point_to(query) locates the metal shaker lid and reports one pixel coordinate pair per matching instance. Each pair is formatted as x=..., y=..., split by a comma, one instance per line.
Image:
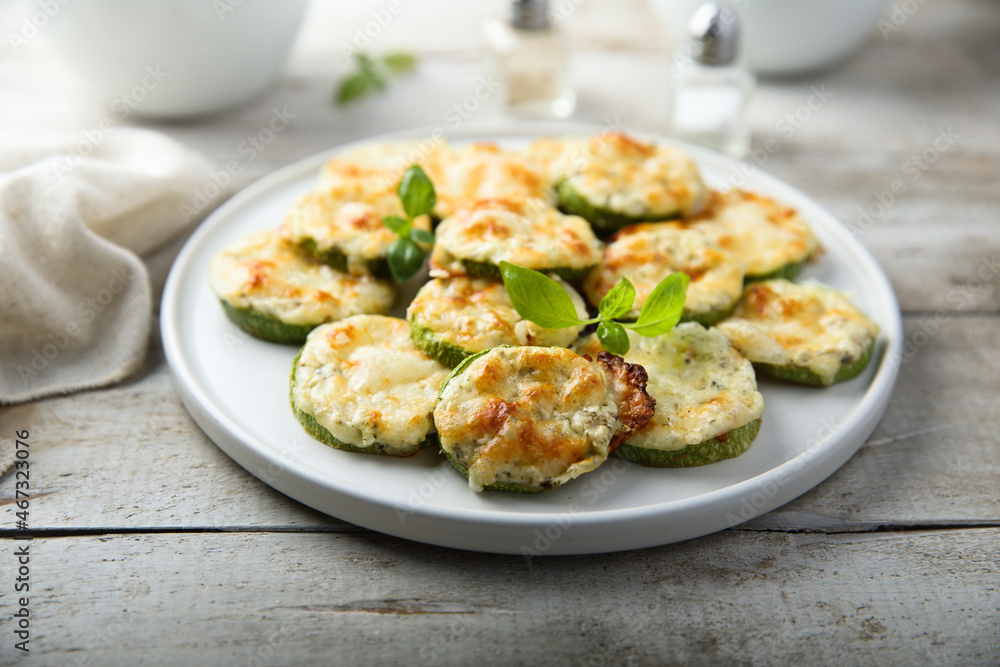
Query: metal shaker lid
x=714, y=32
x=529, y=14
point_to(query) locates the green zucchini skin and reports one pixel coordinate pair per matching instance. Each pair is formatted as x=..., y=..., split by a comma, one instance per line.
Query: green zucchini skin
x=709, y=318
x=266, y=327
x=379, y=266
x=601, y=219
x=703, y=453
x=460, y=368
x=434, y=347
x=848, y=371
x=705, y=319
x=516, y=488
x=319, y=432
x=788, y=272
x=478, y=269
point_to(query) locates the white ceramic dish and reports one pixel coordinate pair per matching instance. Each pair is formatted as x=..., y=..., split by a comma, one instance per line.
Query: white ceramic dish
x=236, y=388
x=174, y=58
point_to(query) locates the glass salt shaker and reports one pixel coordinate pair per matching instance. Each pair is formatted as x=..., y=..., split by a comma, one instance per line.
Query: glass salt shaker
x=532, y=60
x=711, y=83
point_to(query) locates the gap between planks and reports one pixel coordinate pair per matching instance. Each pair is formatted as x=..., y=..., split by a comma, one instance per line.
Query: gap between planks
x=950, y=313
x=846, y=528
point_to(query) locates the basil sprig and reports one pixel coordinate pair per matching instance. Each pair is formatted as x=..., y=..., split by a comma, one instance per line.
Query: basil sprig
x=542, y=300
x=373, y=74
x=416, y=193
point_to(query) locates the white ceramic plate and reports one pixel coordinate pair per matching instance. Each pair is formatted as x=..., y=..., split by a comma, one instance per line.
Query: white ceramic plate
x=236, y=388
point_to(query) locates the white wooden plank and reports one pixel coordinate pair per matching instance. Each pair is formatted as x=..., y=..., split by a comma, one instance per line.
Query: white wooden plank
x=738, y=597
x=934, y=457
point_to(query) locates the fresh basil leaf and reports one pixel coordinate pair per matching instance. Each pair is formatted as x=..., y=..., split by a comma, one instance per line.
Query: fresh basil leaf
x=373, y=74
x=613, y=337
x=619, y=300
x=416, y=192
x=399, y=63
x=371, y=71
x=538, y=298
x=423, y=236
x=352, y=88
x=664, y=306
x=400, y=226
x=405, y=259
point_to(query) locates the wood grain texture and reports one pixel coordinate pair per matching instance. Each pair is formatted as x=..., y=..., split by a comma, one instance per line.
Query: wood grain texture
x=934, y=455
x=161, y=550
x=733, y=598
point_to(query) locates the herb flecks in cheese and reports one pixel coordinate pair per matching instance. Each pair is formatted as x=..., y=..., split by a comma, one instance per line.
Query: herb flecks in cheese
x=703, y=387
x=529, y=233
x=364, y=381
x=476, y=314
x=764, y=233
x=649, y=252
x=261, y=272
x=345, y=215
x=619, y=174
x=537, y=417
x=808, y=326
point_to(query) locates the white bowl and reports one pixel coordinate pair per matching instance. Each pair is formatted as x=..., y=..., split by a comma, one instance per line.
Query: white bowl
x=789, y=36
x=176, y=58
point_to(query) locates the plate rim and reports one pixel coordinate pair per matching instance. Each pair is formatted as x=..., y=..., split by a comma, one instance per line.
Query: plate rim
x=302, y=482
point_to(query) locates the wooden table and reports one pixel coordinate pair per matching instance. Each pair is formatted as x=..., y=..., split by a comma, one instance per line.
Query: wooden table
x=151, y=546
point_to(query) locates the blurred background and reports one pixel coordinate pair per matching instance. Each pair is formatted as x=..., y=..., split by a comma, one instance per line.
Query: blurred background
x=860, y=82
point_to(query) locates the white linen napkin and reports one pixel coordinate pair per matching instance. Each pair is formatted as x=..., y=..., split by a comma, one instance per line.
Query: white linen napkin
x=75, y=215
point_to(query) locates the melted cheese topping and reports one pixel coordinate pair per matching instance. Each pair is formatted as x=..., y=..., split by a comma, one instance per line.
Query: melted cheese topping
x=809, y=326
x=617, y=173
x=365, y=381
x=702, y=386
x=553, y=155
x=394, y=156
x=261, y=272
x=476, y=314
x=484, y=171
x=527, y=415
x=649, y=252
x=346, y=215
x=529, y=233
x=764, y=233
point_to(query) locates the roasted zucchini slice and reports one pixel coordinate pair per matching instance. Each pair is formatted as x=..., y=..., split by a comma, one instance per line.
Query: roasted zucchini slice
x=726, y=446
x=529, y=233
x=533, y=418
x=772, y=239
x=452, y=318
x=614, y=180
x=707, y=404
x=265, y=327
x=649, y=252
x=341, y=225
x=482, y=170
x=808, y=333
x=362, y=385
x=274, y=291
x=378, y=158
